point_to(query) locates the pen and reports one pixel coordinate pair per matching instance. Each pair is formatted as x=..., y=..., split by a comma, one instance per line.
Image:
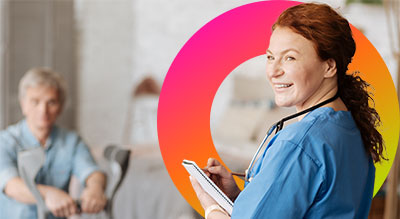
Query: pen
x=233, y=173
x=238, y=174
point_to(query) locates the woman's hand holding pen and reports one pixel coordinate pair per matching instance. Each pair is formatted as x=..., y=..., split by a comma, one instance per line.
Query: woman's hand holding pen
x=222, y=178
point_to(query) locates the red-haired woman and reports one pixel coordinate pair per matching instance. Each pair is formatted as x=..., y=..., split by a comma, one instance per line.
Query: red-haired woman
x=323, y=165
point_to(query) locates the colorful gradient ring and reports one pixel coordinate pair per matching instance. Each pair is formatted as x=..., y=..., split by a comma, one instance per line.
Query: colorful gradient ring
x=183, y=119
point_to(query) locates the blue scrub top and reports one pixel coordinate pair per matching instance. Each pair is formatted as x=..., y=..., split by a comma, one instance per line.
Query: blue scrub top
x=66, y=155
x=314, y=168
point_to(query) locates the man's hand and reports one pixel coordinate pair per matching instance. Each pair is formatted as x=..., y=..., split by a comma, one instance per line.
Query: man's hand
x=222, y=178
x=93, y=199
x=59, y=202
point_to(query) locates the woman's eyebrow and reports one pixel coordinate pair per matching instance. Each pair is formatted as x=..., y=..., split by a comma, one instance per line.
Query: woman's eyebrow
x=284, y=51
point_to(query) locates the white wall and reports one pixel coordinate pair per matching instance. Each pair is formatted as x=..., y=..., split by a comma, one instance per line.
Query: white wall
x=105, y=49
x=372, y=20
x=163, y=27
x=121, y=41
x=32, y=34
x=3, y=64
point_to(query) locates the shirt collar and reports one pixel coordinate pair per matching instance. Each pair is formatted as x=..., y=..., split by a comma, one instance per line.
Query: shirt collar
x=29, y=140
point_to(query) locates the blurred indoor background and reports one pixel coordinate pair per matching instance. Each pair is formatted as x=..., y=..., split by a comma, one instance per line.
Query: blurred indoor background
x=115, y=54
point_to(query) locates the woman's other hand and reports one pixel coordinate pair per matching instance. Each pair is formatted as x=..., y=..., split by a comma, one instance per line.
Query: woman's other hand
x=205, y=199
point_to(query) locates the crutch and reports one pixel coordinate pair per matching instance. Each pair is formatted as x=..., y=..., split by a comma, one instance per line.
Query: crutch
x=119, y=162
x=30, y=161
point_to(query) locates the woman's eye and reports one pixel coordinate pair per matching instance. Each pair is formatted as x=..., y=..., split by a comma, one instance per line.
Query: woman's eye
x=290, y=58
x=270, y=58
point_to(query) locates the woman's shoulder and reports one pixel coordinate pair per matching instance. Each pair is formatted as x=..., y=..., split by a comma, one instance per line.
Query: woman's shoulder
x=323, y=131
x=320, y=123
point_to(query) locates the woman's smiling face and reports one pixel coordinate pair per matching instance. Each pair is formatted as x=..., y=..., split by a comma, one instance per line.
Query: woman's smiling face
x=294, y=69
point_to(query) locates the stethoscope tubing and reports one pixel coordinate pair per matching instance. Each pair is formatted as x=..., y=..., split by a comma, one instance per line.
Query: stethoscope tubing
x=279, y=126
x=246, y=178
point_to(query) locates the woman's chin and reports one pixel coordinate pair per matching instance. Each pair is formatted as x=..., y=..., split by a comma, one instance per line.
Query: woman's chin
x=281, y=103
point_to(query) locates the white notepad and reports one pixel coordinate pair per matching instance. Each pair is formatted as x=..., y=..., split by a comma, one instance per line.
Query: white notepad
x=208, y=185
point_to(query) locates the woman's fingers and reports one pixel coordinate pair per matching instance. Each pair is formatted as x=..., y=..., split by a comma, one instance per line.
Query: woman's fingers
x=195, y=185
x=201, y=194
x=205, y=199
x=212, y=162
x=219, y=170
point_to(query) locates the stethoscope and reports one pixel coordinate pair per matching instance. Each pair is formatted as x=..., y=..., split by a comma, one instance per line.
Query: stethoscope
x=277, y=127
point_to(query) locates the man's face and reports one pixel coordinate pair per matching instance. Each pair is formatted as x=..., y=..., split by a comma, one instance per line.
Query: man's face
x=41, y=106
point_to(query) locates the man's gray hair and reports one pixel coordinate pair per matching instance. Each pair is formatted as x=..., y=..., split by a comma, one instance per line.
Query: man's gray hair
x=42, y=76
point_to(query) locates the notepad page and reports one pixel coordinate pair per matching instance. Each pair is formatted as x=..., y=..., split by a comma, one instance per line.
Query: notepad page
x=209, y=186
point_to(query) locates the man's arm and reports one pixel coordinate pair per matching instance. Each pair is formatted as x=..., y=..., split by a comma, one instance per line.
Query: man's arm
x=93, y=197
x=96, y=179
x=58, y=201
x=16, y=189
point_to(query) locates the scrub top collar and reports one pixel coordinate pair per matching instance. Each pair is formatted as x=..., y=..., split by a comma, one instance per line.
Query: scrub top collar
x=309, y=116
x=349, y=123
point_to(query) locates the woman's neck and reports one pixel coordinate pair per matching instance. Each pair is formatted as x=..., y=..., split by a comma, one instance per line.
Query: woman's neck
x=337, y=104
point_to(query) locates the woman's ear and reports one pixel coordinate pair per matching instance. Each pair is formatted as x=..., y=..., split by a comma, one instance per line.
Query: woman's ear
x=331, y=69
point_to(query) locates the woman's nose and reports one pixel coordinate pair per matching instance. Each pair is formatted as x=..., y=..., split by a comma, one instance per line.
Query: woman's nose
x=274, y=69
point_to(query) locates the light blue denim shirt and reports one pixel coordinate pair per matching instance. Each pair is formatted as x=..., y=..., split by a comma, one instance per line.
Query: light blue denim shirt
x=314, y=168
x=66, y=155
